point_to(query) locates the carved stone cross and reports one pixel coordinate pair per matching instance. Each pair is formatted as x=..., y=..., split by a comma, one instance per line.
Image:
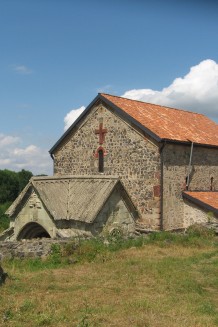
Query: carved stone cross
x=101, y=131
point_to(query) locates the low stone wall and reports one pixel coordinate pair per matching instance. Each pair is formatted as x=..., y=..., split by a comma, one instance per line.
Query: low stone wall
x=28, y=248
x=42, y=247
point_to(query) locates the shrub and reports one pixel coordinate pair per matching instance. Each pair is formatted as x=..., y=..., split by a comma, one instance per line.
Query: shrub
x=4, y=219
x=198, y=230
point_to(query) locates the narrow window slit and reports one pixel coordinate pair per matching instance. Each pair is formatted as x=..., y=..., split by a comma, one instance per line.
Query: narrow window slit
x=100, y=161
x=211, y=184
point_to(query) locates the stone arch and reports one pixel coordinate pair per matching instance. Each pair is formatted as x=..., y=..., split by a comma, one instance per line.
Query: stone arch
x=32, y=230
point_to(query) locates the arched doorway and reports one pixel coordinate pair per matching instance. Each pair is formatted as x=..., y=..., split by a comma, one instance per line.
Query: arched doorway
x=32, y=230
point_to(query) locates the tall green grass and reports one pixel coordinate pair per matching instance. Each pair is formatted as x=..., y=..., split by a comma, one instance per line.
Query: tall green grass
x=102, y=249
x=162, y=279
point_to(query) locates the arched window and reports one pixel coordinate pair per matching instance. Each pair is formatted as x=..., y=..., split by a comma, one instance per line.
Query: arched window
x=100, y=161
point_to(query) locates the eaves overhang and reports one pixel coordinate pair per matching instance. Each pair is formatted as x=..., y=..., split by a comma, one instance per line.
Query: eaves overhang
x=188, y=142
x=200, y=203
x=126, y=117
x=117, y=110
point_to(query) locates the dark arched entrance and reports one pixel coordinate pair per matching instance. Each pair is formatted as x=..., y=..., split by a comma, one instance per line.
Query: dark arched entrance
x=32, y=230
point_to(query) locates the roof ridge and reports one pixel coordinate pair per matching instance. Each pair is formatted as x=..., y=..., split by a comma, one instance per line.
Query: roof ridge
x=67, y=177
x=153, y=104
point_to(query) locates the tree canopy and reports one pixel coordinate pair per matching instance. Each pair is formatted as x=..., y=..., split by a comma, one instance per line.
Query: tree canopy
x=12, y=183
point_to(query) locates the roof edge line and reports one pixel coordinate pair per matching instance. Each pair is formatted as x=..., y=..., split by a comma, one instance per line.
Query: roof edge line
x=13, y=207
x=103, y=203
x=200, y=203
x=73, y=125
x=43, y=178
x=188, y=143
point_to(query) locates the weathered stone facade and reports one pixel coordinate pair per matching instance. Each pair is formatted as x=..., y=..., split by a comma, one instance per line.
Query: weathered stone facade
x=28, y=248
x=114, y=216
x=128, y=153
x=176, y=157
x=63, y=207
x=194, y=214
x=32, y=213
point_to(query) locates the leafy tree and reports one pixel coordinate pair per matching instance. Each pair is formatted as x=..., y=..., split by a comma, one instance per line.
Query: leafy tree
x=12, y=183
x=4, y=219
x=23, y=178
x=9, y=185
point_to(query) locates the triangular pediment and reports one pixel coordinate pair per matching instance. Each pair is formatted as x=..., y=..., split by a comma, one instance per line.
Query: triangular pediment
x=76, y=198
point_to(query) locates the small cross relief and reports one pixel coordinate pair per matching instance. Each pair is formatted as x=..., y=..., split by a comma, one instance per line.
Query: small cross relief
x=101, y=131
x=34, y=201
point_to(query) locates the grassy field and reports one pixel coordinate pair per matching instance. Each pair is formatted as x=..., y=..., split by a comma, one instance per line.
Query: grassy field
x=164, y=280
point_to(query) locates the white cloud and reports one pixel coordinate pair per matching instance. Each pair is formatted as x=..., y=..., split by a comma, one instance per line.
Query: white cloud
x=6, y=140
x=15, y=157
x=196, y=91
x=22, y=69
x=72, y=116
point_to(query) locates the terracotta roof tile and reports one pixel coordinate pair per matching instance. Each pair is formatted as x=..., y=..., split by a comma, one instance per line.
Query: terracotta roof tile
x=169, y=123
x=208, y=198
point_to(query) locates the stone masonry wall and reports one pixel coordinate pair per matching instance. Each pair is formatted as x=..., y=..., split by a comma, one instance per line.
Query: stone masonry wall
x=114, y=215
x=175, y=170
x=127, y=154
x=193, y=214
x=28, y=248
x=33, y=211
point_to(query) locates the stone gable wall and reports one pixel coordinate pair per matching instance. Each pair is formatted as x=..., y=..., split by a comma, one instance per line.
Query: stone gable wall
x=33, y=211
x=114, y=216
x=127, y=154
x=175, y=170
x=194, y=214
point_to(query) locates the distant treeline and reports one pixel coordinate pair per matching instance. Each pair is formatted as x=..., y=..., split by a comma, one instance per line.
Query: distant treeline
x=11, y=184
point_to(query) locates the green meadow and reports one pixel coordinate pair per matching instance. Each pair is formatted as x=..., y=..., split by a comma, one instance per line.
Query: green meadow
x=162, y=280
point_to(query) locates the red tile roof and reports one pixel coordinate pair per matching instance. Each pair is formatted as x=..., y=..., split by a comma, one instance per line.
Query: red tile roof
x=210, y=199
x=169, y=123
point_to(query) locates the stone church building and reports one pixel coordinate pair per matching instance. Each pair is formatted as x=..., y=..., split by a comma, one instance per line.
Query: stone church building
x=127, y=165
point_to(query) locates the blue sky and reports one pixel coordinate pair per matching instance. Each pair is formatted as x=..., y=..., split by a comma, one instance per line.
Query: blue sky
x=57, y=55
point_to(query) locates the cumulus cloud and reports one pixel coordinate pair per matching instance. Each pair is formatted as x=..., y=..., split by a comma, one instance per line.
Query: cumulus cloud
x=196, y=91
x=6, y=140
x=72, y=116
x=15, y=157
x=22, y=69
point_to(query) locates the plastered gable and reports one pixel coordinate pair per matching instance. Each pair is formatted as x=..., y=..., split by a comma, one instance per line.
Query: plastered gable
x=33, y=211
x=128, y=153
x=115, y=216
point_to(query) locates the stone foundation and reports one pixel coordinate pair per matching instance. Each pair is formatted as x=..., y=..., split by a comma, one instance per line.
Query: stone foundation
x=28, y=248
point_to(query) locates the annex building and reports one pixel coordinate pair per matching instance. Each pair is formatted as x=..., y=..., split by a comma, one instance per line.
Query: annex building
x=127, y=165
